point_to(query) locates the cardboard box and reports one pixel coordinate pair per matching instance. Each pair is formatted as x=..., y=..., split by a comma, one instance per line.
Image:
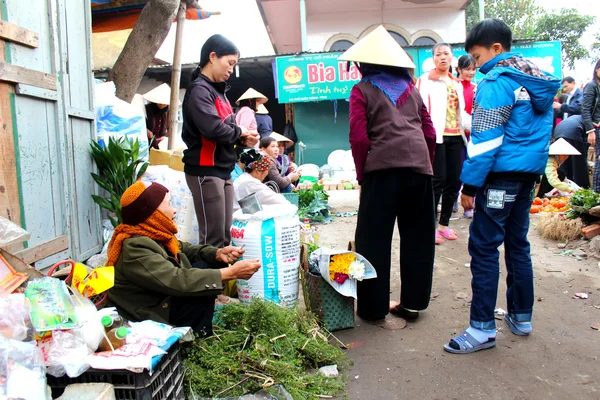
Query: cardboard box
x=160, y=157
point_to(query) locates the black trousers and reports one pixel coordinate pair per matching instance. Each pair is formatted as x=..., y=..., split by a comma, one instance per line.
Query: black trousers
x=576, y=167
x=388, y=196
x=196, y=312
x=447, y=167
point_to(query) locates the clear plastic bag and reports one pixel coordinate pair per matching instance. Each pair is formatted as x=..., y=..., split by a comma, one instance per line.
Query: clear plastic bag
x=67, y=353
x=276, y=392
x=11, y=233
x=14, y=317
x=91, y=330
x=23, y=371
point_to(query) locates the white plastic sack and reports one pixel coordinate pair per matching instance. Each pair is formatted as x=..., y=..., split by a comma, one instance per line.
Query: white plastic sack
x=273, y=237
x=117, y=118
x=11, y=233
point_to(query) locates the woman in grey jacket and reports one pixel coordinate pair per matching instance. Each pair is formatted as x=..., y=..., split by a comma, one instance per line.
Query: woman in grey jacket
x=590, y=112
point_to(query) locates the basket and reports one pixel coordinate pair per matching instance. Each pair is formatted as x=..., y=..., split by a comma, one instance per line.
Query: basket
x=166, y=383
x=333, y=310
x=99, y=300
x=292, y=198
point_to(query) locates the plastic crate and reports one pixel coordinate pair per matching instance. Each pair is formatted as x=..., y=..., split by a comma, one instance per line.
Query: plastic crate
x=166, y=383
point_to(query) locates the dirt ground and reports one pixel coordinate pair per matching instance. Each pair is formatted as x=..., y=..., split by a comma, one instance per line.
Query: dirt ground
x=558, y=360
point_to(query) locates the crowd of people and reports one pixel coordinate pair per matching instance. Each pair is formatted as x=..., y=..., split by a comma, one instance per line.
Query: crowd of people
x=416, y=143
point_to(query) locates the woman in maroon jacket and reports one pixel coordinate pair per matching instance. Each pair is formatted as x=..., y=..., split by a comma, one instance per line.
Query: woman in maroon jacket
x=211, y=134
x=392, y=140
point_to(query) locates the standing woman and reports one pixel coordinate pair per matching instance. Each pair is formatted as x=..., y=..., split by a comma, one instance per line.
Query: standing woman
x=246, y=115
x=443, y=97
x=466, y=71
x=590, y=112
x=211, y=134
x=392, y=141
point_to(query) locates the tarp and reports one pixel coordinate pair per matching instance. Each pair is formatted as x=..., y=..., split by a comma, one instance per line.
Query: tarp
x=125, y=18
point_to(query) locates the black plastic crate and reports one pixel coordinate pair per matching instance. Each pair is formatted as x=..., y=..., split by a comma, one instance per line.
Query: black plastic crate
x=166, y=383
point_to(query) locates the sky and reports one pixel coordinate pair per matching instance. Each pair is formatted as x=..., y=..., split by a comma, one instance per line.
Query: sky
x=583, y=68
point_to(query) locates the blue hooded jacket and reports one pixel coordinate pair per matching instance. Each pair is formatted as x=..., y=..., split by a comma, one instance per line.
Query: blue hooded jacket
x=512, y=121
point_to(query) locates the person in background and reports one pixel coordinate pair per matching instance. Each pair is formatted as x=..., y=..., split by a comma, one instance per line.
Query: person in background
x=505, y=159
x=284, y=164
x=264, y=121
x=393, y=143
x=590, y=112
x=270, y=146
x=465, y=72
x=575, y=167
x=154, y=276
x=444, y=99
x=256, y=168
x=246, y=114
x=560, y=151
x=157, y=113
x=572, y=104
x=211, y=135
x=558, y=116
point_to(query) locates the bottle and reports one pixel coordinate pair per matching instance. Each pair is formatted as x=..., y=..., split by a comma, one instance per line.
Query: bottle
x=111, y=322
x=306, y=232
x=116, y=337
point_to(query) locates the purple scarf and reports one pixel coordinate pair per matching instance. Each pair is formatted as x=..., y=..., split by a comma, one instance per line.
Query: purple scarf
x=392, y=82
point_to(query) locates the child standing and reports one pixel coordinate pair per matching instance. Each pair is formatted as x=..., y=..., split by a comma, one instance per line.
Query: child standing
x=508, y=150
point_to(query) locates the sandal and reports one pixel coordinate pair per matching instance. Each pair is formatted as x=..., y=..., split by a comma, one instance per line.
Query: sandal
x=518, y=328
x=438, y=238
x=448, y=234
x=400, y=311
x=465, y=344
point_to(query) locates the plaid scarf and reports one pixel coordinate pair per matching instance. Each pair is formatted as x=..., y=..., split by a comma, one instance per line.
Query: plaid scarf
x=523, y=65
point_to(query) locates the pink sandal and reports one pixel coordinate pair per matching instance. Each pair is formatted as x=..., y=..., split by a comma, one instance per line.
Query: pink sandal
x=448, y=234
x=438, y=237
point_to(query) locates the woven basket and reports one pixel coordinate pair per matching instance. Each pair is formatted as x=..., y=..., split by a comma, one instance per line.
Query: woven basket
x=333, y=310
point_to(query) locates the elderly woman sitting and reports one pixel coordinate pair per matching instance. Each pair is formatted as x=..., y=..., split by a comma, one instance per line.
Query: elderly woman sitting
x=256, y=167
x=154, y=277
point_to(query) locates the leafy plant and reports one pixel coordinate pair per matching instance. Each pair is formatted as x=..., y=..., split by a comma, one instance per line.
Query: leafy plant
x=313, y=204
x=120, y=164
x=581, y=202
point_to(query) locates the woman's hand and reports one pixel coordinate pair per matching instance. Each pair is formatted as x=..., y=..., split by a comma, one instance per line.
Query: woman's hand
x=294, y=176
x=249, y=138
x=592, y=138
x=229, y=254
x=240, y=270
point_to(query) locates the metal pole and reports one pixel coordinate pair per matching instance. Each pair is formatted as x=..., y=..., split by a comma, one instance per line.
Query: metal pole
x=481, y=7
x=176, y=76
x=303, y=25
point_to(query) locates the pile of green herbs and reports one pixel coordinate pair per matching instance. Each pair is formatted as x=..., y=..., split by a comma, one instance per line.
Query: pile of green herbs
x=581, y=202
x=261, y=345
x=313, y=204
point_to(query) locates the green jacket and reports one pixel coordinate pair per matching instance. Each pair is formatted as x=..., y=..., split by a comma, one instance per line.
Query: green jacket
x=147, y=277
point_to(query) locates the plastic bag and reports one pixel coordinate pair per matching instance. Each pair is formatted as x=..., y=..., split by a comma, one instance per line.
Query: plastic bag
x=67, y=353
x=11, y=233
x=276, y=392
x=22, y=370
x=14, y=316
x=91, y=330
x=115, y=117
x=50, y=305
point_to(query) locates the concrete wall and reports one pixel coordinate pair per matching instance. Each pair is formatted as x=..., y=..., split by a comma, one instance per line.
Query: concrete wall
x=447, y=23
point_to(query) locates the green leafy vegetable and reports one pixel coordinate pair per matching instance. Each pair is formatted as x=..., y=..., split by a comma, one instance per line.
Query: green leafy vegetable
x=313, y=204
x=582, y=201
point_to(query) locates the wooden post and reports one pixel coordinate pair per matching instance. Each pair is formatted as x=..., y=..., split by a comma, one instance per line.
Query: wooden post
x=176, y=76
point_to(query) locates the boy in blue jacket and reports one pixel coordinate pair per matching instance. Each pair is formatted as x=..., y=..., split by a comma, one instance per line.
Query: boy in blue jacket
x=510, y=137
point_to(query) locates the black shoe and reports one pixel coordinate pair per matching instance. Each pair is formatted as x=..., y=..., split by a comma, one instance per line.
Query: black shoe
x=402, y=312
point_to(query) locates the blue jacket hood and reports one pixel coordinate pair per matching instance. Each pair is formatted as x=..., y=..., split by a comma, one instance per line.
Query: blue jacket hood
x=541, y=86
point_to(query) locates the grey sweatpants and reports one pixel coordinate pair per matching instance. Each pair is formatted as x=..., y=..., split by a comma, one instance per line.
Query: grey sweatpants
x=213, y=202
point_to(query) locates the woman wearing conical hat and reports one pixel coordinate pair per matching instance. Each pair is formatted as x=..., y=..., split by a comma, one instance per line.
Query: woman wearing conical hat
x=393, y=142
x=264, y=121
x=560, y=151
x=157, y=113
x=246, y=115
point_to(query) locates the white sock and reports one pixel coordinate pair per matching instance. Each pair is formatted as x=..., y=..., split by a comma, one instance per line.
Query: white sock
x=480, y=335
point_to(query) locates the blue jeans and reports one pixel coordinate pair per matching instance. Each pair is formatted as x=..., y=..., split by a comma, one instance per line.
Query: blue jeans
x=501, y=215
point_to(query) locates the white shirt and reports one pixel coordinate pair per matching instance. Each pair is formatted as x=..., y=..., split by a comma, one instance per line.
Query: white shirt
x=246, y=184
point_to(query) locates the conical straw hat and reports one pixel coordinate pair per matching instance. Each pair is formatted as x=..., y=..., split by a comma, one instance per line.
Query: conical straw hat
x=378, y=47
x=261, y=109
x=159, y=95
x=563, y=148
x=253, y=94
x=279, y=137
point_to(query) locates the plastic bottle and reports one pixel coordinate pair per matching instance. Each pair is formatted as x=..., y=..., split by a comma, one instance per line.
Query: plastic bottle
x=116, y=337
x=306, y=233
x=111, y=322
